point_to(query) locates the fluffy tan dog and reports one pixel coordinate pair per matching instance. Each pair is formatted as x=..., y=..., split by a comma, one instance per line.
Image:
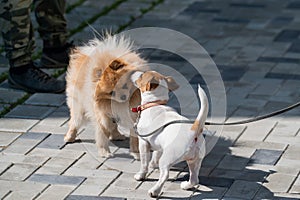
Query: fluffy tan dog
x=99, y=88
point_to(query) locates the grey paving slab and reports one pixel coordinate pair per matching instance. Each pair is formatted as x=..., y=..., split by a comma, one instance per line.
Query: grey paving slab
x=10, y=96
x=266, y=156
x=93, y=186
x=233, y=162
x=22, y=146
x=18, y=172
x=279, y=182
x=7, y=137
x=23, y=159
x=30, y=112
x=42, y=99
x=89, y=197
x=56, y=179
x=243, y=189
x=16, y=125
x=54, y=141
x=56, y=192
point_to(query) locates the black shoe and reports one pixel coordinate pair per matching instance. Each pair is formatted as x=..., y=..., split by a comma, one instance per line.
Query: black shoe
x=32, y=79
x=57, y=57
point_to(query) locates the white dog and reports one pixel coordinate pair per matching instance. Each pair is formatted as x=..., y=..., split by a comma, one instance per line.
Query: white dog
x=172, y=143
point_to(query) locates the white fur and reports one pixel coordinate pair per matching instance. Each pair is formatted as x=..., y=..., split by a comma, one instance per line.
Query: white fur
x=173, y=144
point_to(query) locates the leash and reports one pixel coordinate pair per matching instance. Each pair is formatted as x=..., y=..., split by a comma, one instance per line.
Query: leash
x=272, y=114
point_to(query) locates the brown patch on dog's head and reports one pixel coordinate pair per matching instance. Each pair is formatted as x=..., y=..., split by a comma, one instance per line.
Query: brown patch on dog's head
x=114, y=83
x=117, y=64
x=149, y=81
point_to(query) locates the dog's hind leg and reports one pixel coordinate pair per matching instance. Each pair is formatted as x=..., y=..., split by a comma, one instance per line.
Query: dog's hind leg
x=102, y=142
x=194, y=167
x=77, y=115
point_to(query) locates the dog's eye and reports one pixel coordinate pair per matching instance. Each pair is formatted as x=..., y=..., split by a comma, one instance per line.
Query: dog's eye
x=112, y=93
x=125, y=86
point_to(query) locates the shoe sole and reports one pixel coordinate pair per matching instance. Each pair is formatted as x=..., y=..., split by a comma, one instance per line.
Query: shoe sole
x=15, y=85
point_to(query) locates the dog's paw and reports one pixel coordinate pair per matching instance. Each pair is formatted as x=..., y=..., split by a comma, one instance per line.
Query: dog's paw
x=69, y=139
x=140, y=176
x=105, y=154
x=154, y=192
x=136, y=156
x=185, y=185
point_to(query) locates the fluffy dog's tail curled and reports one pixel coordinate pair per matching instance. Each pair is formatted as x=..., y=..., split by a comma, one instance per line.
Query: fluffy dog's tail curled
x=202, y=115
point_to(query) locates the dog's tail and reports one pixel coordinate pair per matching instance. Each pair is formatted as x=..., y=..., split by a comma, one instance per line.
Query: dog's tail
x=201, y=118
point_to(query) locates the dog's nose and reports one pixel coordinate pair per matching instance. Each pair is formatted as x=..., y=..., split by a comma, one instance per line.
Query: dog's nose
x=123, y=97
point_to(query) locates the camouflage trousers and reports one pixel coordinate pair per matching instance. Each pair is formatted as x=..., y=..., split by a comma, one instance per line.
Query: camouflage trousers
x=17, y=31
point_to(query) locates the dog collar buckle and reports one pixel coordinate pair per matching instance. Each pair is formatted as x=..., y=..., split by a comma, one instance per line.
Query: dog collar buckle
x=136, y=109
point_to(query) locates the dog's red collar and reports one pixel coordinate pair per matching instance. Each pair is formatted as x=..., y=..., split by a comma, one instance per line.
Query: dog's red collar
x=148, y=105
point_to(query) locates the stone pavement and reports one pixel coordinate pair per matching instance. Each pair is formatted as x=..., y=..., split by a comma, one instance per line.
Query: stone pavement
x=256, y=46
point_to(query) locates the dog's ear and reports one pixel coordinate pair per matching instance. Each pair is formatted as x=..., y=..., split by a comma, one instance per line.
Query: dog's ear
x=116, y=64
x=136, y=76
x=172, y=85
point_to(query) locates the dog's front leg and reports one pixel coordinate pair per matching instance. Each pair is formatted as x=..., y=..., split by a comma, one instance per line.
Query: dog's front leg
x=144, y=148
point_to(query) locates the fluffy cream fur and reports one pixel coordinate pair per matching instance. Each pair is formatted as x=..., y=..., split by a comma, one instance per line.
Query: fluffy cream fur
x=97, y=78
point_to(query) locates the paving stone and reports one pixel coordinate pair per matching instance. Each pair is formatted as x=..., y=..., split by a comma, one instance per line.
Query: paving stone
x=285, y=128
x=4, y=166
x=287, y=35
x=16, y=125
x=265, y=156
x=7, y=137
x=279, y=182
x=210, y=193
x=22, y=146
x=34, y=136
x=22, y=159
x=18, y=172
x=243, y=189
x=93, y=186
x=56, y=119
x=295, y=47
x=260, y=145
x=56, y=179
x=22, y=190
x=278, y=60
x=88, y=197
x=88, y=161
x=49, y=129
x=257, y=131
x=42, y=99
x=10, y=96
x=233, y=162
x=293, y=5
x=215, y=182
x=30, y=112
x=56, y=192
x=292, y=152
x=246, y=175
x=98, y=173
x=54, y=141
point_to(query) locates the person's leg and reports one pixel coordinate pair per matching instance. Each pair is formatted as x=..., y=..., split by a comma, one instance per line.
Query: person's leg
x=53, y=31
x=17, y=31
x=18, y=45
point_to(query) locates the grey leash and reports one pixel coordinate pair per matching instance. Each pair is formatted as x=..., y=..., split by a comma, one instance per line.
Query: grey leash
x=213, y=123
